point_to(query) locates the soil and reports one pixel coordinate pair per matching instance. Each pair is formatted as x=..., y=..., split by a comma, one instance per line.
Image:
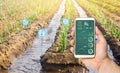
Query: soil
x=15, y=45
x=115, y=47
x=62, y=62
x=19, y=42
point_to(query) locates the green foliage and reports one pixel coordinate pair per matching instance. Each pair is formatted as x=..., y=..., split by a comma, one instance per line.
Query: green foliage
x=7, y=29
x=1, y=17
x=63, y=37
x=32, y=18
x=1, y=38
x=16, y=27
x=11, y=13
x=65, y=28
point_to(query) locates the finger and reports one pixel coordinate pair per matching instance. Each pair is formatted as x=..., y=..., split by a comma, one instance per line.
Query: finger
x=73, y=28
x=73, y=32
x=99, y=34
x=72, y=49
x=72, y=42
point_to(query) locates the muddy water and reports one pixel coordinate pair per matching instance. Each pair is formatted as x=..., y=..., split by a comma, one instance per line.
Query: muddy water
x=29, y=61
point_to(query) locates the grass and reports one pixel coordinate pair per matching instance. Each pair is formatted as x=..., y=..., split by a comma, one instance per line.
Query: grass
x=112, y=17
x=112, y=2
x=13, y=12
x=1, y=39
x=96, y=12
x=109, y=7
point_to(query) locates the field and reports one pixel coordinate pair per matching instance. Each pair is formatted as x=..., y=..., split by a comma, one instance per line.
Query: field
x=21, y=20
x=12, y=13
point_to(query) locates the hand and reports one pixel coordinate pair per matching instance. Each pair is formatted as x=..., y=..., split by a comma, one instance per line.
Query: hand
x=101, y=50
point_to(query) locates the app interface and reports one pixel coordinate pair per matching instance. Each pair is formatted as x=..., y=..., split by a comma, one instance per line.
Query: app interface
x=84, y=37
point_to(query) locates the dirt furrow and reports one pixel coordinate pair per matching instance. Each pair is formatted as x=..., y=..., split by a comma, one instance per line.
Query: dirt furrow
x=28, y=62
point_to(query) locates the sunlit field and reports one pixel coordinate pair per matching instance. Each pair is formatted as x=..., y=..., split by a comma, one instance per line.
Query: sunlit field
x=12, y=13
x=37, y=34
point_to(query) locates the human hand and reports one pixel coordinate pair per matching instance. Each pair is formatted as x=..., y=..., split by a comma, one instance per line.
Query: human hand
x=101, y=50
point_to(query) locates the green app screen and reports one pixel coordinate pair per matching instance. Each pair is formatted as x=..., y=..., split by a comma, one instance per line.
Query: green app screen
x=84, y=37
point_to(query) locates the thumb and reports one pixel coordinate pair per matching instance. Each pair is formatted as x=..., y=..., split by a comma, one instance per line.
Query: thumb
x=99, y=34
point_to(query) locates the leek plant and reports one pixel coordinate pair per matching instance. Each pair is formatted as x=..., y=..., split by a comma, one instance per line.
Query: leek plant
x=65, y=28
x=63, y=37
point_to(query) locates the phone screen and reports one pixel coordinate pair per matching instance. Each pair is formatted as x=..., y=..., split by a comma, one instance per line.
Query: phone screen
x=84, y=37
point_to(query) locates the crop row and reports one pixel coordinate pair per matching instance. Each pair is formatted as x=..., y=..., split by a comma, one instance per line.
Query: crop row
x=70, y=14
x=110, y=7
x=110, y=13
x=12, y=13
x=95, y=11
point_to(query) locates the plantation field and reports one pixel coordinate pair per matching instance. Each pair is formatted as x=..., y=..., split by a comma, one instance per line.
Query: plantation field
x=106, y=15
x=12, y=13
x=40, y=31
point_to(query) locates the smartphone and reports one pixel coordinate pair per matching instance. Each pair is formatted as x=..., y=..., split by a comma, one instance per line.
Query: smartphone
x=84, y=38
